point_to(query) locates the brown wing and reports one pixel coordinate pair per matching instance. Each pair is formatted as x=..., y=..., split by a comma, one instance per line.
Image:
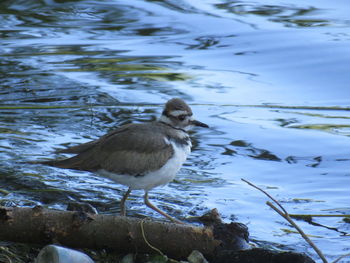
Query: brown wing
x=131, y=149
x=79, y=148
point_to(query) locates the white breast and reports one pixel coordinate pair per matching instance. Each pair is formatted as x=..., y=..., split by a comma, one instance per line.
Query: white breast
x=153, y=179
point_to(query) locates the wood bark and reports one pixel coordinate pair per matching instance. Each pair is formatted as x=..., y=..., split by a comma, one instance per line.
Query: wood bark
x=123, y=234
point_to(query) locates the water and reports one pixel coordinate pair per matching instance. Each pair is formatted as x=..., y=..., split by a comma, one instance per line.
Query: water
x=271, y=80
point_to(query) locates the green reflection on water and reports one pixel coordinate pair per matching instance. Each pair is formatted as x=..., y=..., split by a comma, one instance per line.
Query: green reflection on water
x=331, y=128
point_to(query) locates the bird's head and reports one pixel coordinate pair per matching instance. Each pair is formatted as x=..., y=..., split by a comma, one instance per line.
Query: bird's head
x=178, y=114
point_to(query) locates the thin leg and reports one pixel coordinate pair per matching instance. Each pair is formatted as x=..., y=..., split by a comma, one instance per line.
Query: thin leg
x=150, y=205
x=122, y=203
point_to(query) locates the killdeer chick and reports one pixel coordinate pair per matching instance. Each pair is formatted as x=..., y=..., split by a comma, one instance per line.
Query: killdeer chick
x=140, y=156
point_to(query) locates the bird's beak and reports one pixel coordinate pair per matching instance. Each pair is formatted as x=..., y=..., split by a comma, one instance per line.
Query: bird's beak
x=198, y=123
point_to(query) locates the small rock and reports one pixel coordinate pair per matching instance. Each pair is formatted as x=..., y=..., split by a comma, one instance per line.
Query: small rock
x=129, y=258
x=57, y=254
x=196, y=257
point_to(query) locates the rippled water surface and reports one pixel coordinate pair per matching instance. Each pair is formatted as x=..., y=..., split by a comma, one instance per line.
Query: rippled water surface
x=270, y=78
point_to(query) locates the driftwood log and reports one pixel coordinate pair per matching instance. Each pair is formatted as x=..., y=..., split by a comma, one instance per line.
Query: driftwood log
x=122, y=234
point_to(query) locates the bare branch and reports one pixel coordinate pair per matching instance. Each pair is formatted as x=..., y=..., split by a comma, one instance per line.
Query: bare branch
x=286, y=216
x=301, y=232
x=341, y=257
x=266, y=193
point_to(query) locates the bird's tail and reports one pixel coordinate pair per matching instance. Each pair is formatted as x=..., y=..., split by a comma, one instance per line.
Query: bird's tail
x=84, y=162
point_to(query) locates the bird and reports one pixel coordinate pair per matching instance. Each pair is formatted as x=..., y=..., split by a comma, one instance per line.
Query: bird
x=141, y=156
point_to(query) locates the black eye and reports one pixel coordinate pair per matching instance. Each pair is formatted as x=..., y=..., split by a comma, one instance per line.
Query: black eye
x=181, y=117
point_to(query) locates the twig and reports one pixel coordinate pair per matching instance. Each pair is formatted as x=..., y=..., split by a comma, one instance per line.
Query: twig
x=316, y=215
x=144, y=238
x=266, y=193
x=341, y=257
x=301, y=232
x=153, y=247
x=286, y=216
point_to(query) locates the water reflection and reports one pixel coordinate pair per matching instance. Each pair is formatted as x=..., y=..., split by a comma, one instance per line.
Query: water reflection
x=242, y=147
x=125, y=70
x=288, y=15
